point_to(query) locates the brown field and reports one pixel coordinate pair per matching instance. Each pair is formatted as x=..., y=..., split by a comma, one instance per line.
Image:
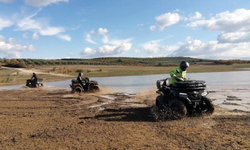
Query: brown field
x=46, y=118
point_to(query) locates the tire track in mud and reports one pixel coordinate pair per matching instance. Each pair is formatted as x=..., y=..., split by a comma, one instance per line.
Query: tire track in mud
x=124, y=107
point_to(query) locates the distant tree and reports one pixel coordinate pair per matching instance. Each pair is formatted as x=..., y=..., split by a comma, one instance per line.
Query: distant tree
x=159, y=64
x=119, y=60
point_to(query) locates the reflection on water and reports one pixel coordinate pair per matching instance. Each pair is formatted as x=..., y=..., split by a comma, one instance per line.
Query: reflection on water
x=136, y=84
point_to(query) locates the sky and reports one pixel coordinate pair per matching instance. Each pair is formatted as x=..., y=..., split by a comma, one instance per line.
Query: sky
x=54, y=29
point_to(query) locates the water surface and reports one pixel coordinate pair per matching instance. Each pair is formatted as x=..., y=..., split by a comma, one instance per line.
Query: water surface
x=136, y=84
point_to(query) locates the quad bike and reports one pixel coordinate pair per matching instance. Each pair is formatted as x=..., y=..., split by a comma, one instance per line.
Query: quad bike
x=34, y=83
x=86, y=86
x=183, y=98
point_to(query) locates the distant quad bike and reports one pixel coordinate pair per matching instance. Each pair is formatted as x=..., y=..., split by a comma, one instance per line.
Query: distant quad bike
x=183, y=98
x=33, y=83
x=88, y=86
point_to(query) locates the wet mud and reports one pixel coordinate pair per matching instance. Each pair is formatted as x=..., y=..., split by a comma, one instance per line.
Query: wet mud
x=47, y=118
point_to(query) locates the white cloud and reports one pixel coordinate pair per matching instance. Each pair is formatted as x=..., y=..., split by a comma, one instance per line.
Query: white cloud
x=102, y=31
x=25, y=35
x=235, y=26
x=2, y=38
x=167, y=19
x=5, y=23
x=39, y=3
x=64, y=37
x=213, y=49
x=12, y=49
x=12, y=41
x=155, y=47
x=177, y=10
x=105, y=39
x=195, y=16
x=152, y=46
x=234, y=37
x=169, y=49
x=88, y=52
x=237, y=21
x=119, y=41
x=137, y=51
x=106, y=50
x=89, y=38
x=198, y=23
x=123, y=48
x=152, y=28
x=92, y=31
x=111, y=47
x=140, y=25
x=6, y=1
x=42, y=28
x=35, y=36
x=49, y=31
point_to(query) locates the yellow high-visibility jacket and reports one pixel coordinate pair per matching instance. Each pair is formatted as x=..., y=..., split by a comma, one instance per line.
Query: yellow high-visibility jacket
x=177, y=72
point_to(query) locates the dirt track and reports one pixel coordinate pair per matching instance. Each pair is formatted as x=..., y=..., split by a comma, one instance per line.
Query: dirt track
x=56, y=119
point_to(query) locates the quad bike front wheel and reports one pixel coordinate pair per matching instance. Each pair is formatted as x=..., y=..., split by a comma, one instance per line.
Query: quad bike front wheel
x=77, y=89
x=207, y=107
x=178, y=109
x=158, y=102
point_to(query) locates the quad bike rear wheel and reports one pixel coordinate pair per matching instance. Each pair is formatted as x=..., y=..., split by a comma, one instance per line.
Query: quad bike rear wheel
x=77, y=89
x=178, y=109
x=96, y=89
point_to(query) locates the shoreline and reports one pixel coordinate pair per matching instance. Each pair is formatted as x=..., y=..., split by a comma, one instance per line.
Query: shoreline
x=49, y=77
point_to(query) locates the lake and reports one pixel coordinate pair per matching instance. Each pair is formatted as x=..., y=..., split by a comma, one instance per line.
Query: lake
x=136, y=84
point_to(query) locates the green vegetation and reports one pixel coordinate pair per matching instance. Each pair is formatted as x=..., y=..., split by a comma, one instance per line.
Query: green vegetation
x=7, y=76
x=127, y=61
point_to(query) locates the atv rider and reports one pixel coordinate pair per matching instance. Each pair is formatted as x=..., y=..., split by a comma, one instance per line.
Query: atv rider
x=84, y=82
x=179, y=73
x=34, y=77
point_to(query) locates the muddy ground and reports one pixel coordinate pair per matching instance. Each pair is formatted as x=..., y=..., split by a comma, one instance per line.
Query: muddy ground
x=48, y=118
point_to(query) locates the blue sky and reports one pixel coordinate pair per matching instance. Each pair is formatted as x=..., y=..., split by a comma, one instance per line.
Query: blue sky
x=52, y=29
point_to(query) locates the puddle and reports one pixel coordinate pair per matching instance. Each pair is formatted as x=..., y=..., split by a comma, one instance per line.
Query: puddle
x=105, y=97
x=233, y=98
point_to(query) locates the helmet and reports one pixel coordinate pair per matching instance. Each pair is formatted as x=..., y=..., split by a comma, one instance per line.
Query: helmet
x=184, y=65
x=80, y=74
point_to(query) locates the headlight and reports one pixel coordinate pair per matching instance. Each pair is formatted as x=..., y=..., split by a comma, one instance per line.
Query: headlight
x=204, y=93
